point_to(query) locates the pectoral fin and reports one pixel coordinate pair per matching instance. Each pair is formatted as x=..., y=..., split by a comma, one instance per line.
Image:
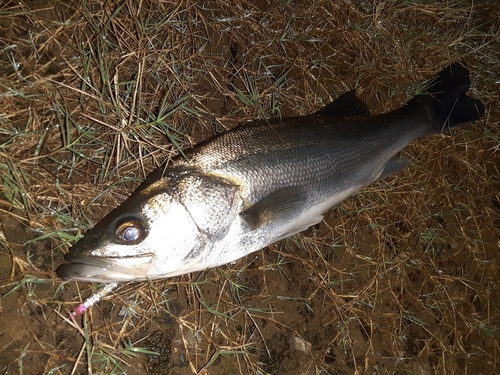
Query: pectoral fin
x=278, y=205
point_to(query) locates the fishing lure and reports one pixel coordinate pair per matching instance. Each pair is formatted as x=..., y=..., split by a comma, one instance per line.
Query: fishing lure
x=94, y=298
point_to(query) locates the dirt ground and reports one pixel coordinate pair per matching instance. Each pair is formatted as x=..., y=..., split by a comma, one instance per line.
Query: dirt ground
x=402, y=278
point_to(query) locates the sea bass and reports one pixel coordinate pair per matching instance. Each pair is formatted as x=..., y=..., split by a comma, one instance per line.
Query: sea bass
x=259, y=183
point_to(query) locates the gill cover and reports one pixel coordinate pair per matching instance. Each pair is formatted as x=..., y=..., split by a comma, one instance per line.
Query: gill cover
x=212, y=202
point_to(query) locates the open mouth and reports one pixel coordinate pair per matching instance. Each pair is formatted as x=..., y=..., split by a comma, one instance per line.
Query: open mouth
x=104, y=269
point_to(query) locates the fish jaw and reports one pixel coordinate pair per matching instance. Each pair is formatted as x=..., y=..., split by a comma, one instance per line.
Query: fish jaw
x=105, y=269
x=88, y=268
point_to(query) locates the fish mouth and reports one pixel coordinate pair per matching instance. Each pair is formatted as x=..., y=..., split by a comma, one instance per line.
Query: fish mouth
x=90, y=268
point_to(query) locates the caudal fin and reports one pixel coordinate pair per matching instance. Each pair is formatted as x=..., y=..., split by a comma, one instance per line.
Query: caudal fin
x=445, y=96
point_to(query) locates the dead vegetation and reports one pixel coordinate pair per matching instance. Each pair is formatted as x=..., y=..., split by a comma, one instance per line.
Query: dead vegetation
x=401, y=278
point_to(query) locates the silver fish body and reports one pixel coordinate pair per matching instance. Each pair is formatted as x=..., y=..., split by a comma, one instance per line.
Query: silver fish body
x=258, y=183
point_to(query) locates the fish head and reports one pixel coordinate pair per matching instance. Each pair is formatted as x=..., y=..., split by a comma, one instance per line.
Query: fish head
x=162, y=230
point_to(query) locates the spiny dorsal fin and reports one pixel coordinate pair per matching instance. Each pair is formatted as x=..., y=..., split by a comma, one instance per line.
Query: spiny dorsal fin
x=278, y=205
x=346, y=104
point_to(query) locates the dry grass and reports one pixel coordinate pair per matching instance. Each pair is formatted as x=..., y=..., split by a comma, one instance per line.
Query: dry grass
x=401, y=278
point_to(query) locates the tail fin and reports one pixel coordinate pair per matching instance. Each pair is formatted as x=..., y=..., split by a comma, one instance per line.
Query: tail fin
x=445, y=96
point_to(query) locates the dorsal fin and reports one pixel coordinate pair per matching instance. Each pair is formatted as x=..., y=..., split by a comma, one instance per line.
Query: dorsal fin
x=346, y=104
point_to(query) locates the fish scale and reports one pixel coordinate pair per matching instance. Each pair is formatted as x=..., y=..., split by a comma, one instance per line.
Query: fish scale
x=324, y=155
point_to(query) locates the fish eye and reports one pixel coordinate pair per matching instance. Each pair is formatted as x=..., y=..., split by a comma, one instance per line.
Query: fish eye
x=131, y=232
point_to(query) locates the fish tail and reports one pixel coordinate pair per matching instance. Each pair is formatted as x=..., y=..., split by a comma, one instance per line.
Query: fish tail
x=446, y=101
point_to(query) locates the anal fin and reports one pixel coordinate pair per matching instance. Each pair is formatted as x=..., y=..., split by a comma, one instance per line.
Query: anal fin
x=394, y=165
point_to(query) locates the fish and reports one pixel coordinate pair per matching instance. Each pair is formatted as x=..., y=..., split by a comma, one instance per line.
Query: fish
x=259, y=183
